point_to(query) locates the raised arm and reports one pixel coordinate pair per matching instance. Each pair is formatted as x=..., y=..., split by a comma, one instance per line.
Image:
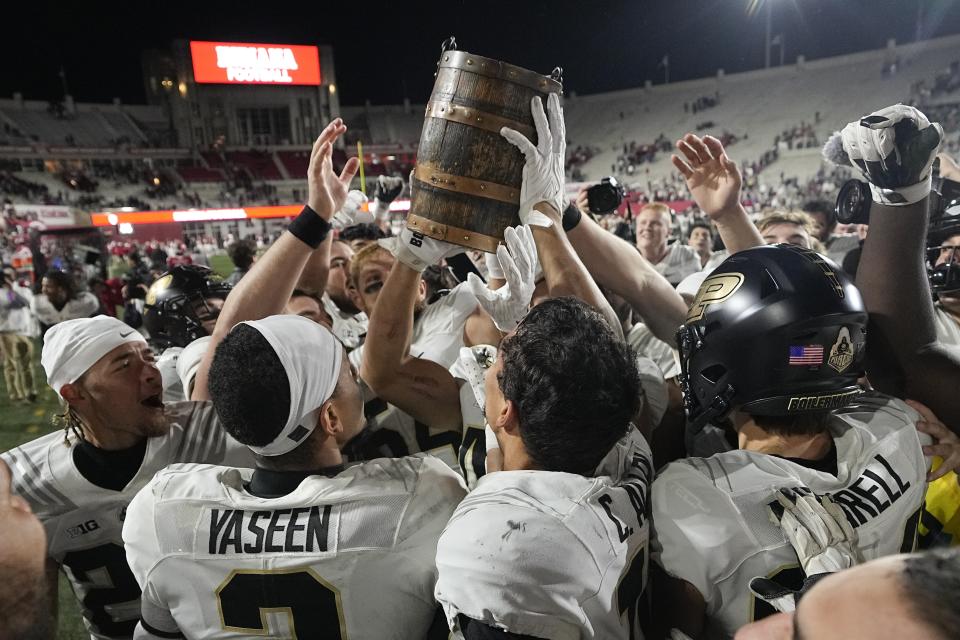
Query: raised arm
x=565, y=273
x=714, y=182
x=541, y=196
x=419, y=387
x=894, y=149
x=267, y=287
x=313, y=277
x=619, y=267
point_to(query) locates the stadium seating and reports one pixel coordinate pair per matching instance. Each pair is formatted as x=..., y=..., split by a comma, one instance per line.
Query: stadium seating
x=774, y=119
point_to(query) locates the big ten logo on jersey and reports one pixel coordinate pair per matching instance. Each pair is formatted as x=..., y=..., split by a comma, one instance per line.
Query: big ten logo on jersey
x=84, y=527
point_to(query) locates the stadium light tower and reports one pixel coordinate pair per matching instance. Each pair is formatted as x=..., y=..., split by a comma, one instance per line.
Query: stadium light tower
x=766, y=41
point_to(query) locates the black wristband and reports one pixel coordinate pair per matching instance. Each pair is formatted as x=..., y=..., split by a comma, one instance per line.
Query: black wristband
x=309, y=228
x=571, y=217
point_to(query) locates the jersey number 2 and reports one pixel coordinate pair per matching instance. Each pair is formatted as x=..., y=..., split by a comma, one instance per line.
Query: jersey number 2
x=106, y=578
x=311, y=603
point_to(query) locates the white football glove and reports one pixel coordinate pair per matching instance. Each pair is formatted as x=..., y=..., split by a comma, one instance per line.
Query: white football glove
x=509, y=304
x=543, y=170
x=894, y=148
x=821, y=536
x=472, y=365
x=352, y=212
x=418, y=251
x=494, y=270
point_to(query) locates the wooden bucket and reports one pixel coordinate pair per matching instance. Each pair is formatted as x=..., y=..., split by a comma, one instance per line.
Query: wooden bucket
x=466, y=183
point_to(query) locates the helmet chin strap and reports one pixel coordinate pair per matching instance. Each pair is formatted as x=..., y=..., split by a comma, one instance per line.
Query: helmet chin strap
x=716, y=412
x=689, y=339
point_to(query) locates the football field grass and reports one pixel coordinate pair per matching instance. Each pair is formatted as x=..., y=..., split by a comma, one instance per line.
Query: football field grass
x=22, y=422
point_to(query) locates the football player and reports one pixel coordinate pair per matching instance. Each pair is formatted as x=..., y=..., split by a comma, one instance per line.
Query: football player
x=423, y=405
x=943, y=270
x=902, y=596
x=894, y=149
x=180, y=308
x=337, y=553
x=117, y=434
x=59, y=300
x=298, y=547
x=440, y=328
x=775, y=343
x=555, y=545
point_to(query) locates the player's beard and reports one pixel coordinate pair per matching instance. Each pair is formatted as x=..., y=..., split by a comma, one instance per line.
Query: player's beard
x=154, y=421
x=344, y=303
x=418, y=308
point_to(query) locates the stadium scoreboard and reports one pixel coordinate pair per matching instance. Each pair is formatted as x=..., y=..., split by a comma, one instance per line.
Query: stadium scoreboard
x=250, y=63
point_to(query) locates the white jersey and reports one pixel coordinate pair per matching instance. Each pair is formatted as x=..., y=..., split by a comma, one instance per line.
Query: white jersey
x=646, y=344
x=711, y=514
x=438, y=330
x=680, y=262
x=948, y=326
x=84, y=305
x=716, y=257
x=393, y=433
x=350, y=328
x=178, y=368
x=167, y=365
x=347, y=556
x=549, y=554
x=839, y=246
x=13, y=317
x=83, y=520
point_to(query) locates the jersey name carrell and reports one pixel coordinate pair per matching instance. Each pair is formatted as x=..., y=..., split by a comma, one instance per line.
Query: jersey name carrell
x=302, y=529
x=878, y=487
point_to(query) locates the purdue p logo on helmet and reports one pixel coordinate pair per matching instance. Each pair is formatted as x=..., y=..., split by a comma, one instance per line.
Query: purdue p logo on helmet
x=772, y=331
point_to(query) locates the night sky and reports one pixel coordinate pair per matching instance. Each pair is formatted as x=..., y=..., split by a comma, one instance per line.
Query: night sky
x=387, y=50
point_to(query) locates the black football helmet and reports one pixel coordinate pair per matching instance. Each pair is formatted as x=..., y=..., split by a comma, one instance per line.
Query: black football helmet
x=774, y=330
x=179, y=302
x=944, y=278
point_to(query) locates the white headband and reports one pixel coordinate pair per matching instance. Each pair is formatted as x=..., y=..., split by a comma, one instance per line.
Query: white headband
x=311, y=357
x=71, y=347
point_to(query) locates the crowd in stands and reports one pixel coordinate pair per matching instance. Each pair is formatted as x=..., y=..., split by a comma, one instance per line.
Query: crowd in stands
x=702, y=103
x=801, y=136
x=944, y=82
x=580, y=155
x=636, y=153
